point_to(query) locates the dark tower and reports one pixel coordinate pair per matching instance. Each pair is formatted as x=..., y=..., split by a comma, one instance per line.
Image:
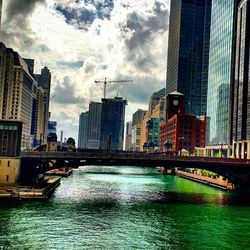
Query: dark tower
x=188, y=52
x=112, y=123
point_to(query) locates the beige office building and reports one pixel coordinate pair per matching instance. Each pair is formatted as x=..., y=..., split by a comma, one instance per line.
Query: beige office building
x=18, y=89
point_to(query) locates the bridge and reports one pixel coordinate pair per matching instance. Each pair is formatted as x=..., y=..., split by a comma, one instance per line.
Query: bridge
x=35, y=163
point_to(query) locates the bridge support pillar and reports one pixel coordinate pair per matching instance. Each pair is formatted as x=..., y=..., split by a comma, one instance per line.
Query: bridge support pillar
x=242, y=150
x=248, y=150
x=237, y=150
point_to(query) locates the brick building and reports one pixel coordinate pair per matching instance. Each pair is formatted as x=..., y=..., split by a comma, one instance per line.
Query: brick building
x=183, y=132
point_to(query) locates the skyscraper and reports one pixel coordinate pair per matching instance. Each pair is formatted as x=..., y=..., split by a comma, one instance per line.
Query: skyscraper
x=94, y=125
x=18, y=93
x=1, y=4
x=188, y=52
x=240, y=126
x=220, y=69
x=112, y=123
x=155, y=99
x=128, y=137
x=136, y=129
x=83, y=130
x=44, y=81
x=39, y=120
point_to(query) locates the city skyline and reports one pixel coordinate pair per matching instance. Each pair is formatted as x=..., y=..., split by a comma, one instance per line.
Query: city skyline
x=91, y=52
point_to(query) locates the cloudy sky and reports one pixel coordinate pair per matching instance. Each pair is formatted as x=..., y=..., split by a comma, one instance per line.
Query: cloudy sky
x=86, y=40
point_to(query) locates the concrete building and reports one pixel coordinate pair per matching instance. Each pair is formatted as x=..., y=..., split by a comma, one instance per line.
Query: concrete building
x=137, y=116
x=240, y=126
x=188, y=52
x=94, y=125
x=23, y=106
x=143, y=138
x=44, y=81
x=6, y=81
x=128, y=136
x=136, y=129
x=18, y=89
x=1, y=4
x=10, y=148
x=112, y=123
x=39, y=121
x=223, y=24
x=155, y=99
x=83, y=130
x=159, y=109
x=136, y=136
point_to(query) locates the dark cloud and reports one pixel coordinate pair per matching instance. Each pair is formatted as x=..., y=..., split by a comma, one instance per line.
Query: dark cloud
x=83, y=17
x=66, y=93
x=16, y=28
x=144, y=27
x=21, y=8
x=72, y=65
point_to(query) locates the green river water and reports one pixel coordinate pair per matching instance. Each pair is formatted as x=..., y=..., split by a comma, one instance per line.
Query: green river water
x=127, y=208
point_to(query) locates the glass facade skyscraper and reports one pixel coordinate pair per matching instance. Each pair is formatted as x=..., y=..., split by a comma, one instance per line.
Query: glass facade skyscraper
x=240, y=126
x=220, y=69
x=241, y=117
x=94, y=125
x=112, y=123
x=83, y=130
x=188, y=52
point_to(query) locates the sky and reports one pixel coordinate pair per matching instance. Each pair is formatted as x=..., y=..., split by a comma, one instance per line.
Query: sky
x=81, y=41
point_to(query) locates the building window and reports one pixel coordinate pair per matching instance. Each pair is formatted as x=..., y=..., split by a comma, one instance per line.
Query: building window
x=7, y=178
x=4, y=149
x=0, y=162
x=8, y=163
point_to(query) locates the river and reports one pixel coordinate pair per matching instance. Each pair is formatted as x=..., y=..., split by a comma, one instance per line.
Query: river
x=127, y=208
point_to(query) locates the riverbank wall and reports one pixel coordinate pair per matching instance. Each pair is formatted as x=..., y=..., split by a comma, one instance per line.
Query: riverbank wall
x=21, y=192
x=214, y=182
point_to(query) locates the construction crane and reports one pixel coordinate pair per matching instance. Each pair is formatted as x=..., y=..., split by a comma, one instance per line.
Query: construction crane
x=105, y=82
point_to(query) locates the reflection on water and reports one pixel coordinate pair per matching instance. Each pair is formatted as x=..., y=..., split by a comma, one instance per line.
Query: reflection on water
x=127, y=208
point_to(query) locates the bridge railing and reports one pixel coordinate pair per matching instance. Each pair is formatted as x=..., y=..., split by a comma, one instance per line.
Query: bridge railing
x=128, y=155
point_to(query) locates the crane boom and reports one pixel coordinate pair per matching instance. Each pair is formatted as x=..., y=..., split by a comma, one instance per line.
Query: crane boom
x=105, y=82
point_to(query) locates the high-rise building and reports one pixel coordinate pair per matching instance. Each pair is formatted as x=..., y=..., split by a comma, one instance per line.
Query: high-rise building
x=155, y=99
x=144, y=135
x=223, y=19
x=21, y=98
x=240, y=126
x=1, y=4
x=25, y=88
x=39, y=122
x=30, y=63
x=112, y=123
x=94, y=125
x=6, y=80
x=83, y=130
x=159, y=109
x=18, y=89
x=44, y=81
x=128, y=137
x=136, y=129
x=188, y=52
